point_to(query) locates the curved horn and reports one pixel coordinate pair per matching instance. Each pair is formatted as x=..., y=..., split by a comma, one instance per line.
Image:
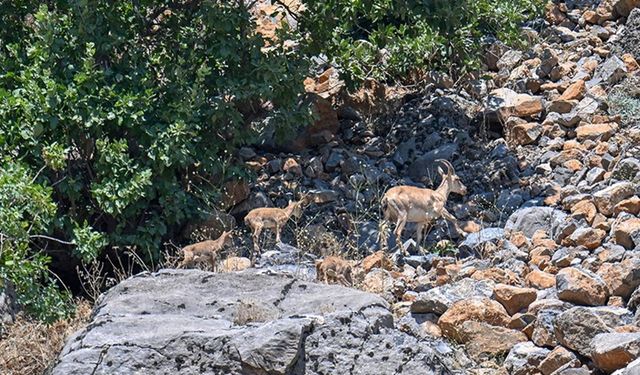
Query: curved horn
x=450, y=170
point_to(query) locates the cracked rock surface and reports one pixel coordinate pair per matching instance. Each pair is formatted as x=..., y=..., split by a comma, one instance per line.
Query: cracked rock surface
x=195, y=322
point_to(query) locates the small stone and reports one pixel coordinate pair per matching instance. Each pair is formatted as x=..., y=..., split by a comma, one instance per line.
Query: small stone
x=566, y=35
x=543, y=333
x=514, y=298
x=591, y=16
x=553, y=14
x=596, y=131
x=334, y=160
x=509, y=60
x=509, y=103
x=625, y=232
x=558, y=358
x=519, y=321
x=561, y=106
x=595, y=175
x=608, y=198
x=497, y=275
x=581, y=287
x=440, y=299
x=584, y=210
x=431, y=329
x=621, y=278
x=275, y=165
x=525, y=358
x=616, y=301
x=379, y=259
x=519, y=240
x=547, y=304
x=540, y=279
x=526, y=134
x=292, y=166
x=476, y=309
x=613, y=351
x=575, y=91
x=588, y=237
x=609, y=73
x=630, y=62
x=626, y=169
x=482, y=340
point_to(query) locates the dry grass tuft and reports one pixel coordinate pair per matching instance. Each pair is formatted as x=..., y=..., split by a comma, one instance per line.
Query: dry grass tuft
x=29, y=347
x=254, y=312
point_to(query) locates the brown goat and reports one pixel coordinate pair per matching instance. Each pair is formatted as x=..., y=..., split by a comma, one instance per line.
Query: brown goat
x=271, y=218
x=206, y=249
x=334, y=269
x=409, y=204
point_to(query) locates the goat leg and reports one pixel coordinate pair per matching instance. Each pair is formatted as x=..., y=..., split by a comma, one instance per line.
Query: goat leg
x=402, y=221
x=452, y=219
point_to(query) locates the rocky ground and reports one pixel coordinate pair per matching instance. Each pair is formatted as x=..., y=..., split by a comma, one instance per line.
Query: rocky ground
x=546, y=281
x=195, y=322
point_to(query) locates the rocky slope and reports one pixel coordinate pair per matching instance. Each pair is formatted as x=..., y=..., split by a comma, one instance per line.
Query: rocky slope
x=547, y=279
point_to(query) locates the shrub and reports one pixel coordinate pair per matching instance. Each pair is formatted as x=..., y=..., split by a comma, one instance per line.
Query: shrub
x=394, y=40
x=27, y=208
x=118, y=121
x=624, y=100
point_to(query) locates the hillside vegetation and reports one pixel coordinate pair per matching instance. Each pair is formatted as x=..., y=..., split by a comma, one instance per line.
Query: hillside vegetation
x=119, y=121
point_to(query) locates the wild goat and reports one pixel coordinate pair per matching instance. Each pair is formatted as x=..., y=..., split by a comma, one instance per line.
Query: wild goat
x=336, y=269
x=208, y=249
x=271, y=218
x=408, y=204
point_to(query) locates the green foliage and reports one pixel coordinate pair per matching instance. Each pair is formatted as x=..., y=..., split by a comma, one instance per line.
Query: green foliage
x=88, y=242
x=395, y=39
x=624, y=100
x=26, y=208
x=122, y=113
x=444, y=248
x=130, y=106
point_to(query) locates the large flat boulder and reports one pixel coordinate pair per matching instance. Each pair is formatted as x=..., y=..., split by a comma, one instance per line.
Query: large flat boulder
x=195, y=322
x=531, y=219
x=438, y=300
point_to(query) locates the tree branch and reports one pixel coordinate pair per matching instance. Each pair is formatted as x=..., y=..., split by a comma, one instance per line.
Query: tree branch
x=51, y=239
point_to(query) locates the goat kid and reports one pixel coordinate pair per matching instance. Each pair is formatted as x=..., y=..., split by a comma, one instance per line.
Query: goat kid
x=271, y=218
x=334, y=269
x=206, y=249
x=409, y=204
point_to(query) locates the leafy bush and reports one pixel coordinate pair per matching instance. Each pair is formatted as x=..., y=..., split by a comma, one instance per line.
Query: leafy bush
x=118, y=119
x=27, y=208
x=397, y=39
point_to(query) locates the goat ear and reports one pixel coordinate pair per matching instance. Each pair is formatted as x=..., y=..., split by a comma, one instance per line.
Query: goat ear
x=440, y=171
